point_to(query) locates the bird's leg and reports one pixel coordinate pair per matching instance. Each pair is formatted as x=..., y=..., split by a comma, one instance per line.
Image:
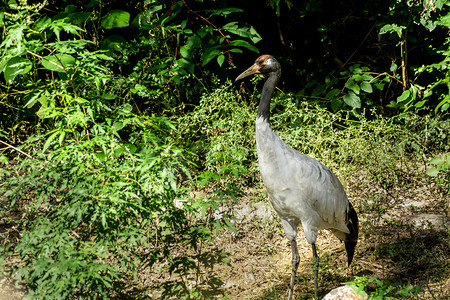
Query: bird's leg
x=295, y=262
x=315, y=266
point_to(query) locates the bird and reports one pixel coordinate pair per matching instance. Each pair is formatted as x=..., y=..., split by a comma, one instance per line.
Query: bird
x=302, y=190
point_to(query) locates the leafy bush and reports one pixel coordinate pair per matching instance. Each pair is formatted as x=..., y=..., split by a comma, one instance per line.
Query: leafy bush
x=405, y=22
x=221, y=131
x=382, y=290
x=440, y=166
x=352, y=88
x=93, y=206
x=99, y=182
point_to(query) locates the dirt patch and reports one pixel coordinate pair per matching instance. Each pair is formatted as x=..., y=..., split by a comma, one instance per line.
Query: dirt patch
x=8, y=291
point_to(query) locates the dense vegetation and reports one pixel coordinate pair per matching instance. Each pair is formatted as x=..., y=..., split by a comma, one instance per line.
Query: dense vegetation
x=114, y=115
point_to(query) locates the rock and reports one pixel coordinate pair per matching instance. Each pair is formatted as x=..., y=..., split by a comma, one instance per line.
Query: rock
x=414, y=203
x=343, y=293
x=427, y=220
x=249, y=212
x=8, y=291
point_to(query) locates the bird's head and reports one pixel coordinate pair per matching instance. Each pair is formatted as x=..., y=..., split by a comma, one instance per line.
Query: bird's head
x=264, y=64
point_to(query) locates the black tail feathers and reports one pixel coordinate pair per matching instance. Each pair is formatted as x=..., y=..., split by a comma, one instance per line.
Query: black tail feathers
x=352, y=237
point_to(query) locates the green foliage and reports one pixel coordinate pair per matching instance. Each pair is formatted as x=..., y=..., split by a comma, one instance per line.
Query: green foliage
x=352, y=90
x=441, y=164
x=116, y=18
x=93, y=203
x=221, y=131
x=382, y=290
x=440, y=168
x=83, y=231
x=197, y=38
x=407, y=15
x=102, y=183
x=340, y=139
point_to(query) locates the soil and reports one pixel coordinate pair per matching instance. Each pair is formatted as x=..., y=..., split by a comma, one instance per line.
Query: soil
x=8, y=291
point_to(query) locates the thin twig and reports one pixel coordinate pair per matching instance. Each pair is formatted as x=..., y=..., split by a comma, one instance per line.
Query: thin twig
x=206, y=20
x=381, y=74
x=357, y=48
x=17, y=149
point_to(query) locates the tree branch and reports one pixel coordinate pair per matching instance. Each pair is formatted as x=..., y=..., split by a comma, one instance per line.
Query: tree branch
x=17, y=149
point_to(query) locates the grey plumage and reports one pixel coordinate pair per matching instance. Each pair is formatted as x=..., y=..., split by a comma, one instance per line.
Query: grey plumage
x=301, y=189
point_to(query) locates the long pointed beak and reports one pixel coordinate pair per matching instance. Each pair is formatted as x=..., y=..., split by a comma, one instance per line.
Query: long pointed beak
x=254, y=69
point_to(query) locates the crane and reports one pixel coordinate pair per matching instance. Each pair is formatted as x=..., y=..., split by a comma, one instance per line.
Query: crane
x=301, y=189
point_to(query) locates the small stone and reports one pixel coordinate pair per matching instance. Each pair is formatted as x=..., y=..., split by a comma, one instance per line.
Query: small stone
x=428, y=220
x=343, y=293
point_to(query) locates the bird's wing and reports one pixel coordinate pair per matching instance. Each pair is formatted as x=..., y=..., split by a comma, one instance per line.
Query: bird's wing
x=321, y=189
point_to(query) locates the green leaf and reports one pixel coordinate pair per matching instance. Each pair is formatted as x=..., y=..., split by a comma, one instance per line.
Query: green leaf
x=319, y=90
x=184, y=23
x=47, y=106
x=352, y=100
x=235, y=50
x=392, y=28
x=80, y=17
x=420, y=103
x=245, y=44
x=58, y=62
x=194, y=41
x=4, y=61
x=445, y=20
x=210, y=54
x=145, y=19
x=14, y=37
x=366, y=87
x=177, y=79
x=441, y=104
x=404, y=96
x=16, y=66
x=127, y=108
x=351, y=85
x=379, y=86
x=186, y=64
x=49, y=141
x=116, y=18
x=367, y=77
x=117, y=125
x=185, y=51
x=355, y=69
x=436, y=160
x=61, y=137
x=246, y=32
x=113, y=42
x=332, y=94
x=433, y=172
x=225, y=11
x=393, y=67
x=336, y=104
x=32, y=99
x=220, y=59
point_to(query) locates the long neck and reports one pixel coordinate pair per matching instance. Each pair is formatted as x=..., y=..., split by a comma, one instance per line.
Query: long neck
x=266, y=95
